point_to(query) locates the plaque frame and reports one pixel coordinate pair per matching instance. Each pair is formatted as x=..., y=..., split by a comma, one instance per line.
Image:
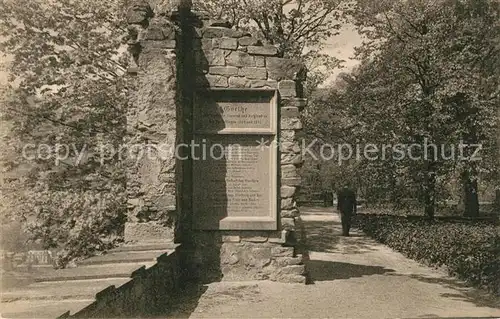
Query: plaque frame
x=213, y=93
x=270, y=221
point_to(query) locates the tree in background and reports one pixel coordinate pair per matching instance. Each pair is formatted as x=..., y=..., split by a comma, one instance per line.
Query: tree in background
x=429, y=74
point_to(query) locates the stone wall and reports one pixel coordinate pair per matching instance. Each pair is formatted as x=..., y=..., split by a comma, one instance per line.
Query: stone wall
x=175, y=53
x=151, y=125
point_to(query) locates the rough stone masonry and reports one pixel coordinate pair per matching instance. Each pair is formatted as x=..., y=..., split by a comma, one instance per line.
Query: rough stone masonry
x=175, y=52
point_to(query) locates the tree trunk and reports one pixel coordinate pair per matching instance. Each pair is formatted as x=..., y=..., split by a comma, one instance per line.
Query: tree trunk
x=497, y=200
x=430, y=194
x=471, y=198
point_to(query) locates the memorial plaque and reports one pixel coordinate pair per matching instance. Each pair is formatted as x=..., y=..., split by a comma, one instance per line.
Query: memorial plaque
x=229, y=112
x=235, y=174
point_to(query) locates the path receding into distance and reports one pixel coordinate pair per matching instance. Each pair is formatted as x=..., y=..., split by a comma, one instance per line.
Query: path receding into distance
x=354, y=277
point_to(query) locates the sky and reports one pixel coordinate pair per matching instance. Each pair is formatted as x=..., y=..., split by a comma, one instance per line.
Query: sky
x=342, y=47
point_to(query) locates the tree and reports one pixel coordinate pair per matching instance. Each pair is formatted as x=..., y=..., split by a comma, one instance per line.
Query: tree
x=429, y=74
x=69, y=100
x=298, y=28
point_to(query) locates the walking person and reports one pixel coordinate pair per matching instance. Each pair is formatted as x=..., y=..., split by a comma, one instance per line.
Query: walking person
x=346, y=205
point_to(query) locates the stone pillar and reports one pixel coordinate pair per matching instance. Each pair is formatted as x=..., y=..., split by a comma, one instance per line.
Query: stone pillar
x=151, y=124
x=171, y=65
x=230, y=59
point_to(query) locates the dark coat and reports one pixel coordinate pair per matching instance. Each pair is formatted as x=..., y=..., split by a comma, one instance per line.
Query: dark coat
x=346, y=201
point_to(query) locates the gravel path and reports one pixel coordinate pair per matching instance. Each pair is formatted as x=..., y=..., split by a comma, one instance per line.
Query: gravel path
x=354, y=277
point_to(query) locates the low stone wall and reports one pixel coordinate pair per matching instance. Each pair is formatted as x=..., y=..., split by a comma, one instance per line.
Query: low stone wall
x=149, y=292
x=245, y=255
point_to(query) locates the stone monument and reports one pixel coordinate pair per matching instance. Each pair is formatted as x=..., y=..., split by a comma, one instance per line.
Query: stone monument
x=229, y=106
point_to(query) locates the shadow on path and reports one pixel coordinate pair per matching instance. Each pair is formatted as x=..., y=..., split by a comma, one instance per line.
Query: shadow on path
x=322, y=270
x=187, y=300
x=324, y=236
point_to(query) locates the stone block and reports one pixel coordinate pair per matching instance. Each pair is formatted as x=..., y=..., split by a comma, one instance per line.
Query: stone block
x=251, y=256
x=231, y=239
x=289, y=147
x=296, y=148
x=290, y=279
x=288, y=223
x=207, y=44
x=285, y=69
x=253, y=73
x=232, y=33
x=264, y=84
x=214, y=32
x=294, y=270
x=280, y=251
x=300, y=103
x=228, y=43
x=246, y=41
x=287, y=88
x=229, y=255
x=220, y=23
x=289, y=261
x=216, y=57
x=297, y=160
x=169, y=32
x=287, y=203
x=281, y=239
x=255, y=239
x=203, y=44
x=291, y=213
x=266, y=50
x=288, y=135
x=147, y=232
x=154, y=33
x=291, y=124
x=157, y=46
x=287, y=191
x=238, y=82
x=260, y=61
x=240, y=59
x=217, y=81
x=290, y=111
x=291, y=181
x=223, y=70
x=288, y=171
x=292, y=158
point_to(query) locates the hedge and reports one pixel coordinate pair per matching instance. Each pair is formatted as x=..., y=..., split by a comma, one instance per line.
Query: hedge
x=469, y=250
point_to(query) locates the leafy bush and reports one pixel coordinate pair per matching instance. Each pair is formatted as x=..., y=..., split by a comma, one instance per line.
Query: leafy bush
x=77, y=224
x=470, y=250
